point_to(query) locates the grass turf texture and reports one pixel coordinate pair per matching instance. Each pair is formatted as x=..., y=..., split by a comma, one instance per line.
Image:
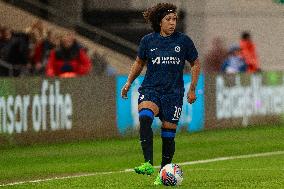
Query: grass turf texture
x=45, y=161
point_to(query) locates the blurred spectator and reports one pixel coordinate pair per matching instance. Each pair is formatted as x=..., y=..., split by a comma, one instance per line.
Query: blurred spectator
x=1, y=28
x=29, y=53
x=42, y=50
x=5, y=36
x=215, y=57
x=234, y=63
x=14, y=49
x=1, y=35
x=37, y=34
x=37, y=30
x=249, y=53
x=69, y=60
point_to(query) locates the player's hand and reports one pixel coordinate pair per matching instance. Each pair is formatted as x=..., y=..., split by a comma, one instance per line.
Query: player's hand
x=124, y=90
x=191, y=96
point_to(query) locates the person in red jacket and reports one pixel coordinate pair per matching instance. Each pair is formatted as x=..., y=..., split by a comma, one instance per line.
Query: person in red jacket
x=248, y=51
x=42, y=51
x=69, y=60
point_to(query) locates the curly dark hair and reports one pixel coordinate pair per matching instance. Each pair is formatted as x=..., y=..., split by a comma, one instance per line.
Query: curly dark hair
x=155, y=14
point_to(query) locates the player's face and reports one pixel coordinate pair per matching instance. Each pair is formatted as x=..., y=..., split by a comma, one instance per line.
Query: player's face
x=168, y=24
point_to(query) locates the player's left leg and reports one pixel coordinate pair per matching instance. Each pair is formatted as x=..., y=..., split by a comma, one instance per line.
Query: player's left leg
x=168, y=145
x=171, y=107
x=168, y=134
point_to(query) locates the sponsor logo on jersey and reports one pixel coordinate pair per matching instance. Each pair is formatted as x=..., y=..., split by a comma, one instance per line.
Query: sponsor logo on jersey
x=166, y=60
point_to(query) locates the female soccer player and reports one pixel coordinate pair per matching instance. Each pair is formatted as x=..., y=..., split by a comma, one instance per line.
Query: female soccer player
x=164, y=52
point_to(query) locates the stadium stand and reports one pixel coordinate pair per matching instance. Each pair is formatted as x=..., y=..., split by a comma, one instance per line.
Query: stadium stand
x=11, y=17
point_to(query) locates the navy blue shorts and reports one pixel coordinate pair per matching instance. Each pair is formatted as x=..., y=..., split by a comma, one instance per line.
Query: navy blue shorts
x=170, y=105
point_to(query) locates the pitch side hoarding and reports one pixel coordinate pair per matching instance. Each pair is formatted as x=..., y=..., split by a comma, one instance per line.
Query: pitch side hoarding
x=35, y=110
x=191, y=119
x=40, y=110
x=246, y=99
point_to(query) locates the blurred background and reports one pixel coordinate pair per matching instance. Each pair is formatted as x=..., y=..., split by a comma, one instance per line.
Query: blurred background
x=111, y=29
x=90, y=45
x=51, y=51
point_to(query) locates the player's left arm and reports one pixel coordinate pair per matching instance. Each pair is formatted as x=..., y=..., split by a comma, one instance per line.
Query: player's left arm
x=195, y=71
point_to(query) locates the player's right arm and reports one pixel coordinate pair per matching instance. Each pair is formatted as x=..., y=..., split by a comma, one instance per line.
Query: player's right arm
x=135, y=71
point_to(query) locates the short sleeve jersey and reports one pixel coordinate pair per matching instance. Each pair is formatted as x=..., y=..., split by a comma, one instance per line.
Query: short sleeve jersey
x=165, y=58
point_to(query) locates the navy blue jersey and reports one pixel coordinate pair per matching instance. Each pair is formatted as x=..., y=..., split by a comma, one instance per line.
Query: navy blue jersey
x=165, y=58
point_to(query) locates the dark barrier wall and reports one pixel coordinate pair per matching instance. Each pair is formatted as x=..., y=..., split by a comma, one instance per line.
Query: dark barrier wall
x=236, y=100
x=37, y=110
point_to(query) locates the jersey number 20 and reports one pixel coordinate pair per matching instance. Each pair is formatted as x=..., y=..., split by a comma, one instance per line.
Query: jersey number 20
x=177, y=112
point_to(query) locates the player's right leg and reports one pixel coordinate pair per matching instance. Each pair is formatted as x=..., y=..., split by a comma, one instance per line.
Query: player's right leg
x=147, y=111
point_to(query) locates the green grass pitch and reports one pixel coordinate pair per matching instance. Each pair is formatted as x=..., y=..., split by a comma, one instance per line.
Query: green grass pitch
x=67, y=159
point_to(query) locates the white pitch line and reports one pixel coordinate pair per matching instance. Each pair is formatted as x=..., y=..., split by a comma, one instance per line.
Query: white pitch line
x=260, y=169
x=233, y=157
x=130, y=170
x=64, y=177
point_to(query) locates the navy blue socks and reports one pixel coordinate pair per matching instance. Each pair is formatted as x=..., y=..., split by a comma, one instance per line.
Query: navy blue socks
x=146, y=117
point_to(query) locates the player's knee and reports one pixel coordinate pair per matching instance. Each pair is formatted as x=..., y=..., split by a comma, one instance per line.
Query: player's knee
x=168, y=125
x=149, y=105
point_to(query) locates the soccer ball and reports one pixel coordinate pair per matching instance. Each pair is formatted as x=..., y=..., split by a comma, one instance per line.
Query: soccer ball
x=171, y=175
